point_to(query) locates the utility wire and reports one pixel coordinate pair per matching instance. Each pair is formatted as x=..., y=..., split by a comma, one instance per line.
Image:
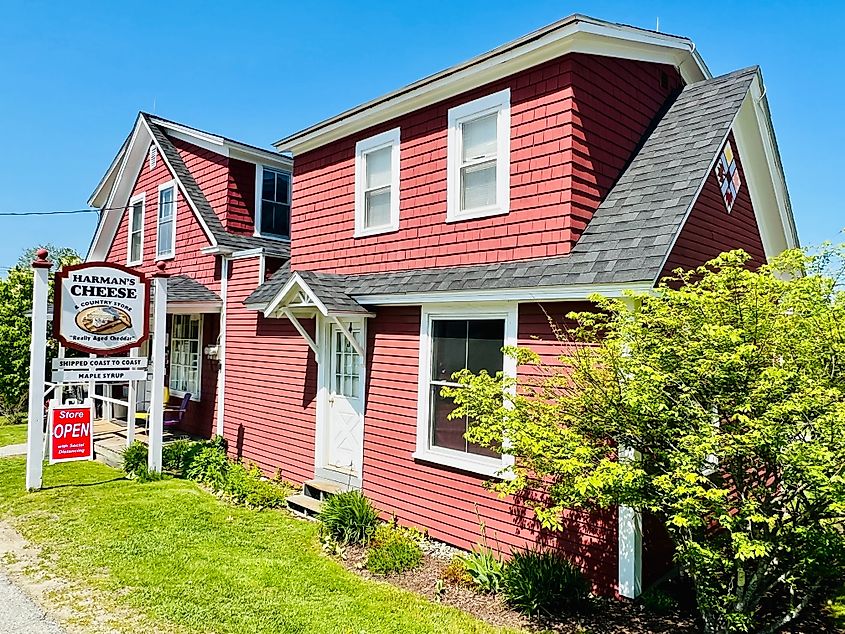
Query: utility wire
x=57, y=213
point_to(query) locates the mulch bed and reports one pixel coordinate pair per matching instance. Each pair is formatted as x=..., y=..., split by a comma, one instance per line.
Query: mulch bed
x=607, y=616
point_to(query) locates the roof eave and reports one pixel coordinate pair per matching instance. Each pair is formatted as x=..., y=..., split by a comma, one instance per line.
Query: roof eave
x=574, y=34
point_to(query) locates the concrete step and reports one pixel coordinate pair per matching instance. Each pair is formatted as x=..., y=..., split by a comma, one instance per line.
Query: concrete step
x=304, y=504
x=321, y=489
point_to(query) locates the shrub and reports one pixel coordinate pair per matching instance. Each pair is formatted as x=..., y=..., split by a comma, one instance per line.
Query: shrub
x=135, y=458
x=210, y=466
x=177, y=456
x=455, y=572
x=658, y=601
x=349, y=518
x=484, y=568
x=394, y=550
x=245, y=485
x=543, y=582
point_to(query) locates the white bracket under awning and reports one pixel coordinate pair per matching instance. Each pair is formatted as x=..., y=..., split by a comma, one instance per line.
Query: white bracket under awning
x=356, y=345
x=311, y=343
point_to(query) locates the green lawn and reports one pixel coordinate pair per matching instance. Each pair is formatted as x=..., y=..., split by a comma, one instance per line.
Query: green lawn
x=190, y=563
x=12, y=434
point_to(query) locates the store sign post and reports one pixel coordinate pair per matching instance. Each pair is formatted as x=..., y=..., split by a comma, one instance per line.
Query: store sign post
x=101, y=308
x=71, y=431
x=99, y=369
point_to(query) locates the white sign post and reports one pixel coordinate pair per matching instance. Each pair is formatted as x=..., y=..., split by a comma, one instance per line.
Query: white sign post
x=159, y=335
x=37, y=361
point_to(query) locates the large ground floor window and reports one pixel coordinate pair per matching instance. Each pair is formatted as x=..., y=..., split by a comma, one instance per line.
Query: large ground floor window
x=452, y=340
x=185, y=355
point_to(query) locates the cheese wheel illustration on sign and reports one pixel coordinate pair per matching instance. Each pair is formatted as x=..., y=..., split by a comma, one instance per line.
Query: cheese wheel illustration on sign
x=103, y=320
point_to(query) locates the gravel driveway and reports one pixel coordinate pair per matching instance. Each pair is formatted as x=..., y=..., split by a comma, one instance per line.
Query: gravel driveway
x=19, y=614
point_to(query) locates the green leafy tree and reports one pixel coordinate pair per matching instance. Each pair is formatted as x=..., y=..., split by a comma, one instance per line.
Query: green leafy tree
x=15, y=329
x=726, y=387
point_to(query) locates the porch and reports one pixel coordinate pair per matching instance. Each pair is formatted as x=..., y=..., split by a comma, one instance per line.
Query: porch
x=110, y=439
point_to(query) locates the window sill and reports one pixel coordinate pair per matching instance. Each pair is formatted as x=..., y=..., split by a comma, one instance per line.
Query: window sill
x=271, y=237
x=165, y=257
x=476, y=214
x=375, y=231
x=488, y=467
x=194, y=397
x=136, y=263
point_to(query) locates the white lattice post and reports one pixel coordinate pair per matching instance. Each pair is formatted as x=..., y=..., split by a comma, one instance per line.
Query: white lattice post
x=156, y=429
x=131, y=405
x=37, y=363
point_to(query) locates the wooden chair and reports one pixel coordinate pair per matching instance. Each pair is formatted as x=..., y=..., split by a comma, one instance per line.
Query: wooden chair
x=173, y=415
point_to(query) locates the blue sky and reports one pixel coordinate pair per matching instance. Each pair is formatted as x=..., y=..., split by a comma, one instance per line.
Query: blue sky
x=75, y=74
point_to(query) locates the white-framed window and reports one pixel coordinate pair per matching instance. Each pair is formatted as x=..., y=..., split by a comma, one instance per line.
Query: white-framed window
x=166, y=221
x=451, y=339
x=272, y=202
x=478, y=156
x=377, y=184
x=186, y=355
x=135, y=239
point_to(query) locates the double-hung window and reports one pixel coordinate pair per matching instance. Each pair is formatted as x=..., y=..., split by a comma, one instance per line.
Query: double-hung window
x=135, y=242
x=454, y=340
x=478, y=169
x=274, y=191
x=185, y=357
x=377, y=184
x=166, y=221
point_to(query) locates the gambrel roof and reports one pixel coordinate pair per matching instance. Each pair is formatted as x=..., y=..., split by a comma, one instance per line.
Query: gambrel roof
x=630, y=237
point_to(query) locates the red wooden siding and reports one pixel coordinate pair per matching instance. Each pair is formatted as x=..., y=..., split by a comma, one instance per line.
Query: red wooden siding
x=711, y=230
x=210, y=171
x=575, y=123
x=448, y=502
x=270, y=387
x=240, y=213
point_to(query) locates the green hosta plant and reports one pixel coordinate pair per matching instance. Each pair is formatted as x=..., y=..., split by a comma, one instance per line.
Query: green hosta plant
x=726, y=388
x=484, y=567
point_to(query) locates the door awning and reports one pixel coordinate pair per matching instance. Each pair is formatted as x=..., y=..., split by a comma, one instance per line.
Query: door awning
x=307, y=294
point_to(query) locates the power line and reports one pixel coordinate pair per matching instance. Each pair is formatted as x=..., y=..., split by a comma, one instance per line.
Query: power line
x=58, y=213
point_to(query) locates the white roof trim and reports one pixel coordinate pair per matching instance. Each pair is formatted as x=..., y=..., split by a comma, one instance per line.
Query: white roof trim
x=293, y=283
x=573, y=34
x=193, y=307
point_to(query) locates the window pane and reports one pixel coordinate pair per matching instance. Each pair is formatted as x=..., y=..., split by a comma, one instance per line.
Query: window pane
x=165, y=203
x=137, y=212
x=377, y=165
x=478, y=185
x=275, y=218
x=282, y=188
x=135, y=248
x=448, y=348
x=445, y=433
x=479, y=137
x=484, y=348
x=377, y=208
x=268, y=185
x=165, y=237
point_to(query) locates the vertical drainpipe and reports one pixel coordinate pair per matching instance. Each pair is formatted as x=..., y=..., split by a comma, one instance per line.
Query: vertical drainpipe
x=630, y=530
x=221, y=351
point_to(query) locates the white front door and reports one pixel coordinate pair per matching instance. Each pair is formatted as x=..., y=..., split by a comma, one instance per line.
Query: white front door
x=343, y=430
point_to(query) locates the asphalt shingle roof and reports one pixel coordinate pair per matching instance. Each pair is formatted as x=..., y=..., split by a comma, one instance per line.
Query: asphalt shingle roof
x=186, y=289
x=631, y=233
x=275, y=248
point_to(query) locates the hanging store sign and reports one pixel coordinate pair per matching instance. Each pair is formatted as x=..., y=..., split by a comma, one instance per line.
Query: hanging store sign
x=71, y=432
x=101, y=308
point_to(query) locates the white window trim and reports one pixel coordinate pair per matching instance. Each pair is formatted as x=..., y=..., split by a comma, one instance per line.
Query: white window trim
x=179, y=393
x=259, y=181
x=391, y=139
x=482, y=465
x=161, y=188
x=140, y=198
x=497, y=102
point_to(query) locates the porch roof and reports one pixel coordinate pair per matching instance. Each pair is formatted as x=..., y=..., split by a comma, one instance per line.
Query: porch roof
x=310, y=292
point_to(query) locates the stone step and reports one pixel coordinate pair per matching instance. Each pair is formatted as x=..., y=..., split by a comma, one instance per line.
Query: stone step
x=304, y=504
x=321, y=489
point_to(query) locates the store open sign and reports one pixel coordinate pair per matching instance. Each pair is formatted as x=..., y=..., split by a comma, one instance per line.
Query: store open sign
x=71, y=433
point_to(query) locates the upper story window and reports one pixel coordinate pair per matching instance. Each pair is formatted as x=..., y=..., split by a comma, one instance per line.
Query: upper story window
x=377, y=184
x=135, y=242
x=166, y=221
x=273, y=204
x=479, y=158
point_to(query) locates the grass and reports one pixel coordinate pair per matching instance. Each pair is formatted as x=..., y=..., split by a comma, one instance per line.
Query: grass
x=12, y=434
x=190, y=563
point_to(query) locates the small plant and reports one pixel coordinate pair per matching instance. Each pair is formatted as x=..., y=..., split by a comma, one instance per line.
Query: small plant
x=484, y=568
x=349, y=518
x=658, y=601
x=394, y=550
x=135, y=459
x=177, y=456
x=144, y=475
x=455, y=573
x=544, y=582
x=246, y=485
x=209, y=466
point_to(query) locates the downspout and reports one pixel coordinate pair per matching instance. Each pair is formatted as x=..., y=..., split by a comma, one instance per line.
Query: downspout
x=221, y=350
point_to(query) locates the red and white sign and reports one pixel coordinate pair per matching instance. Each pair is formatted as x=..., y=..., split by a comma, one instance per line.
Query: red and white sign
x=71, y=432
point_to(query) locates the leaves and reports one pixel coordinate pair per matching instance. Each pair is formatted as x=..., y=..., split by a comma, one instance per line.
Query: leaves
x=725, y=390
